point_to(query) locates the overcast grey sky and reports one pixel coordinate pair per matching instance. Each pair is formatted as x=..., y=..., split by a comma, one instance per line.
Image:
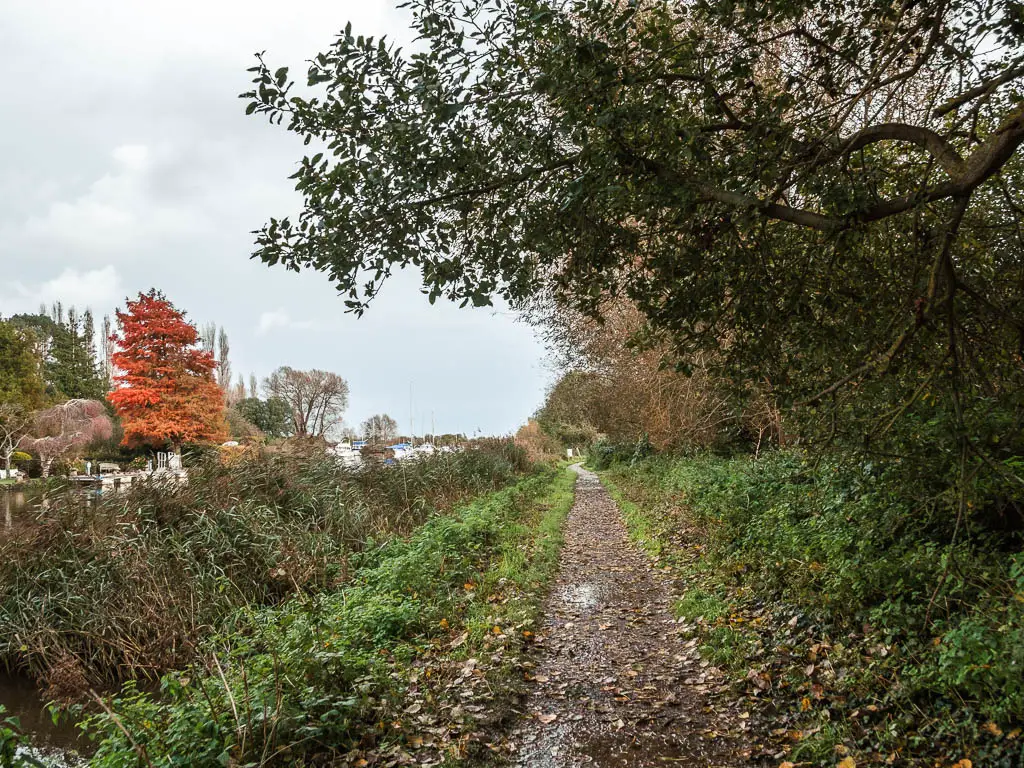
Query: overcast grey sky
x=126, y=162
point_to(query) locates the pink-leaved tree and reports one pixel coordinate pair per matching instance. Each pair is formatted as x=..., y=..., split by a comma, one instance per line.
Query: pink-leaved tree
x=59, y=431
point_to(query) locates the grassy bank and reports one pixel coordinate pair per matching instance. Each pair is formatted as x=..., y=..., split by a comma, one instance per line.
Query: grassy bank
x=413, y=654
x=92, y=594
x=842, y=606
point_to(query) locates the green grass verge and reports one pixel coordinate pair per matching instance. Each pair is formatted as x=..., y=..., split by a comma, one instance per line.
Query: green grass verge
x=420, y=648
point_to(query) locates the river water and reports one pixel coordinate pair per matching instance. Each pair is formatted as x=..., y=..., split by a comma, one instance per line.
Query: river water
x=53, y=745
x=16, y=506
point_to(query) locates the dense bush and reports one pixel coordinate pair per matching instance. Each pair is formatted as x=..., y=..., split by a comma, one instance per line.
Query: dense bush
x=98, y=592
x=604, y=453
x=870, y=555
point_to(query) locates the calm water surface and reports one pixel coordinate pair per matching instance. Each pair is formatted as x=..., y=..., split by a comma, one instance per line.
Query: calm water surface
x=16, y=505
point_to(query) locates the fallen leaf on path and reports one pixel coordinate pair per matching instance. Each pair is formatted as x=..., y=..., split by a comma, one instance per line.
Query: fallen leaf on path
x=546, y=719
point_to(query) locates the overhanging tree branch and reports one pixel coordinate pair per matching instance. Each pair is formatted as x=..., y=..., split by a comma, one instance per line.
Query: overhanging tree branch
x=983, y=89
x=923, y=137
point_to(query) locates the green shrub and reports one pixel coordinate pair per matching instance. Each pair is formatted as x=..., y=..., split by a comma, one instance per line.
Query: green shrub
x=865, y=551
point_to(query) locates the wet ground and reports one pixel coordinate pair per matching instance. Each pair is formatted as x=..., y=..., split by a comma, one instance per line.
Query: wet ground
x=54, y=744
x=615, y=682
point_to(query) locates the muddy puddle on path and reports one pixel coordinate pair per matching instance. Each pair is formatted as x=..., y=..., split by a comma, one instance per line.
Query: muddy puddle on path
x=614, y=682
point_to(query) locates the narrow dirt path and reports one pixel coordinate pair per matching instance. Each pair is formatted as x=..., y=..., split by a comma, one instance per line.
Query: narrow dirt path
x=614, y=683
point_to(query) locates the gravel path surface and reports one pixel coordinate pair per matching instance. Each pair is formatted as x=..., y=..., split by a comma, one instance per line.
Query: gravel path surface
x=614, y=683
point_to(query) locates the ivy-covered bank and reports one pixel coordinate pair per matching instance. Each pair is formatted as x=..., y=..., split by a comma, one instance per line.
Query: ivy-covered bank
x=408, y=661
x=856, y=628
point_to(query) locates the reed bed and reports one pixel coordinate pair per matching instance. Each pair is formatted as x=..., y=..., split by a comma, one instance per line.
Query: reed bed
x=93, y=594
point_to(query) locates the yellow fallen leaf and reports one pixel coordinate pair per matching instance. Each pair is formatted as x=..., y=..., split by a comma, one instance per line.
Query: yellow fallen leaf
x=992, y=728
x=443, y=623
x=847, y=762
x=1013, y=734
x=787, y=764
x=805, y=704
x=965, y=763
x=496, y=630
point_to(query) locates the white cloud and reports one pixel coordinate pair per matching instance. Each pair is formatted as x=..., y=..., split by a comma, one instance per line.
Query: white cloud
x=147, y=173
x=99, y=289
x=134, y=157
x=117, y=214
x=280, y=318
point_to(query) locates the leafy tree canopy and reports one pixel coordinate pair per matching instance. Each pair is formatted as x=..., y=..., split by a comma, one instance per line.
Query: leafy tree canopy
x=166, y=392
x=64, y=429
x=820, y=193
x=65, y=345
x=20, y=382
x=273, y=416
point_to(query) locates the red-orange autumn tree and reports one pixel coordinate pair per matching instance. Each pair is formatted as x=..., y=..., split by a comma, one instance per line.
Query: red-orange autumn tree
x=165, y=391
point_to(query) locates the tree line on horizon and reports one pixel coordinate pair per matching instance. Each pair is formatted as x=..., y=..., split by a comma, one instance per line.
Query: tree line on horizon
x=154, y=382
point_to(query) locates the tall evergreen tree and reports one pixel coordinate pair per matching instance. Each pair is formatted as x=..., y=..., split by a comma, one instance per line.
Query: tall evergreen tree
x=108, y=351
x=72, y=367
x=64, y=346
x=20, y=381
